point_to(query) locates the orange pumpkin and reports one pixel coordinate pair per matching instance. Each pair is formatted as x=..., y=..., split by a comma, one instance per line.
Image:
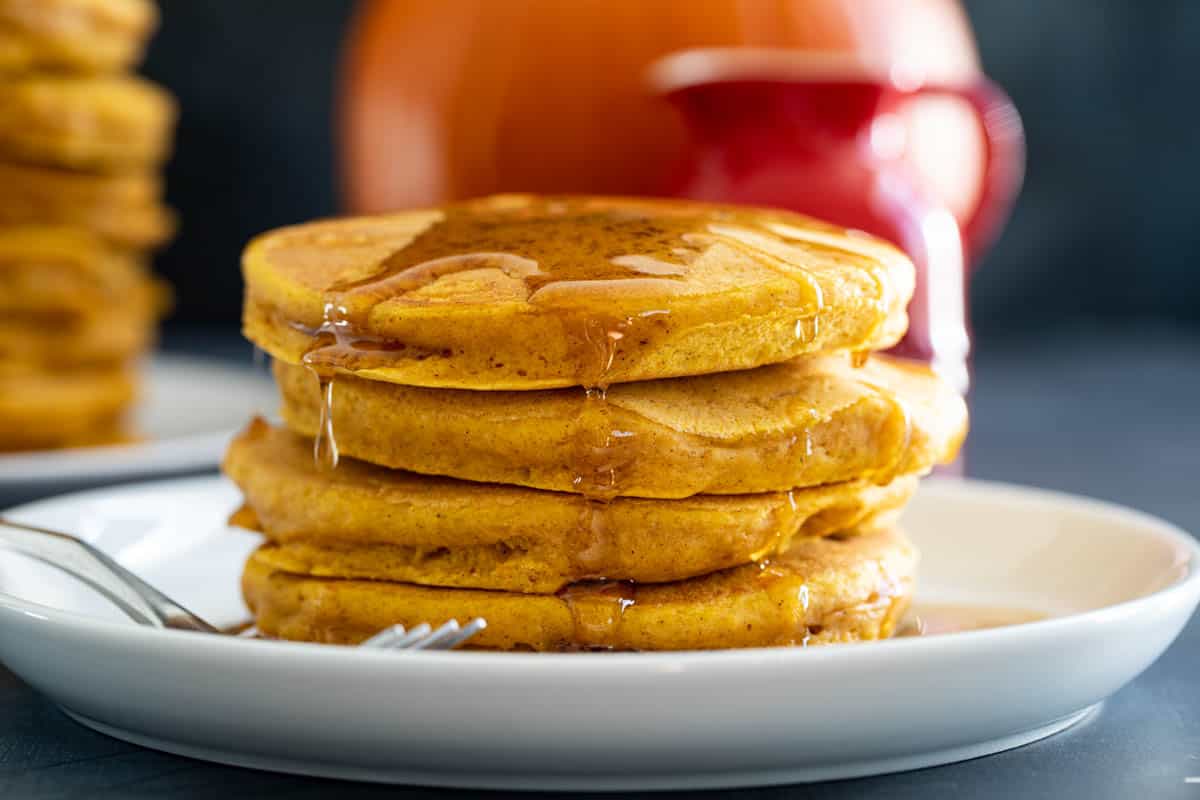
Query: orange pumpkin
x=457, y=98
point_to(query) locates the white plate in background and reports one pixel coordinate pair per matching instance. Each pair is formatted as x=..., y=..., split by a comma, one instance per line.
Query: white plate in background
x=189, y=410
x=1119, y=585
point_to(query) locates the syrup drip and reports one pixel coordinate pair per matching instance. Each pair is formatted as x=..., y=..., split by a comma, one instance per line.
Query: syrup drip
x=600, y=456
x=807, y=328
x=594, y=341
x=800, y=445
x=596, y=547
x=888, y=472
x=771, y=254
x=325, y=449
x=784, y=522
x=602, y=451
x=875, y=255
x=794, y=599
x=597, y=608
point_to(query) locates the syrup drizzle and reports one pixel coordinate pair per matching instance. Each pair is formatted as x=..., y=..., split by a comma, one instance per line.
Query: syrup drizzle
x=789, y=597
x=325, y=449
x=785, y=522
x=600, y=455
x=597, y=608
x=767, y=252
x=887, y=472
x=871, y=256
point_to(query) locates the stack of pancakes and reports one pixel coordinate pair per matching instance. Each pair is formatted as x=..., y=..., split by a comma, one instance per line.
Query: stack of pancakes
x=595, y=422
x=80, y=212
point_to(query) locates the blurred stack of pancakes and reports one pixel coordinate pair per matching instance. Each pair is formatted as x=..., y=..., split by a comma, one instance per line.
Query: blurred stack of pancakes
x=81, y=143
x=597, y=423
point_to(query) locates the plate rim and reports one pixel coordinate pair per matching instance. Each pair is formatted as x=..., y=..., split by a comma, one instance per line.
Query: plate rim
x=1185, y=589
x=560, y=782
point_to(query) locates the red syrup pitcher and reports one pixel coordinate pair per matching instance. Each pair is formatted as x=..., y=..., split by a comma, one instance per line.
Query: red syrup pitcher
x=825, y=135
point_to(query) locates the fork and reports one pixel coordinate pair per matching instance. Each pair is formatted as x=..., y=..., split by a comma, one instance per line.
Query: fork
x=146, y=605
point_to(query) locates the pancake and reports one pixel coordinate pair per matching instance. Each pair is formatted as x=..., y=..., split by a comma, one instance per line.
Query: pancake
x=361, y=521
x=525, y=292
x=49, y=341
x=103, y=432
x=820, y=591
x=74, y=35
x=125, y=209
x=808, y=422
x=67, y=300
x=48, y=269
x=91, y=123
x=41, y=409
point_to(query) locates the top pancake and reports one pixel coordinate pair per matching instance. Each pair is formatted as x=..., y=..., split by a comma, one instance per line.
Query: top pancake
x=527, y=292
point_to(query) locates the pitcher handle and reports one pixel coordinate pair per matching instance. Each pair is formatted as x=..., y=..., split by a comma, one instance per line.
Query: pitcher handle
x=1004, y=160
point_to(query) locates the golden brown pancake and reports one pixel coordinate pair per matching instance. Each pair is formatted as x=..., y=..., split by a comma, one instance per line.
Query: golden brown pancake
x=63, y=409
x=527, y=292
x=93, y=123
x=59, y=269
x=125, y=209
x=105, y=432
x=811, y=421
x=67, y=299
x=822, y=590
x=74, y=35
x=361, y=521
x=49, y=341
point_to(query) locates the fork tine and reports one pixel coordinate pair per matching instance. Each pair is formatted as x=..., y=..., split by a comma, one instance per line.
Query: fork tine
x=385, y=638
x=423, y=637
x=470, y=629
x=435, y=640
x=415, y=635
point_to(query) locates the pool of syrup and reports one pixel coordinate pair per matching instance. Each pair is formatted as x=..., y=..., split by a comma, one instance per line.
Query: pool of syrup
x=936, y=619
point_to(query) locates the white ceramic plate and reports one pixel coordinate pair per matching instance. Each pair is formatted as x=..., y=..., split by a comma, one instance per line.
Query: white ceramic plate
x=1119, y=585
x=190, y=410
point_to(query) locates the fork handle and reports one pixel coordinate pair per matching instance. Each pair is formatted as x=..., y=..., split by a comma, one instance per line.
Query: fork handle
x=139, y=600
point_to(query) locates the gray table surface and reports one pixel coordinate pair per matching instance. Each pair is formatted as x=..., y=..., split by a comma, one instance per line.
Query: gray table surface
x=1111, y=413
